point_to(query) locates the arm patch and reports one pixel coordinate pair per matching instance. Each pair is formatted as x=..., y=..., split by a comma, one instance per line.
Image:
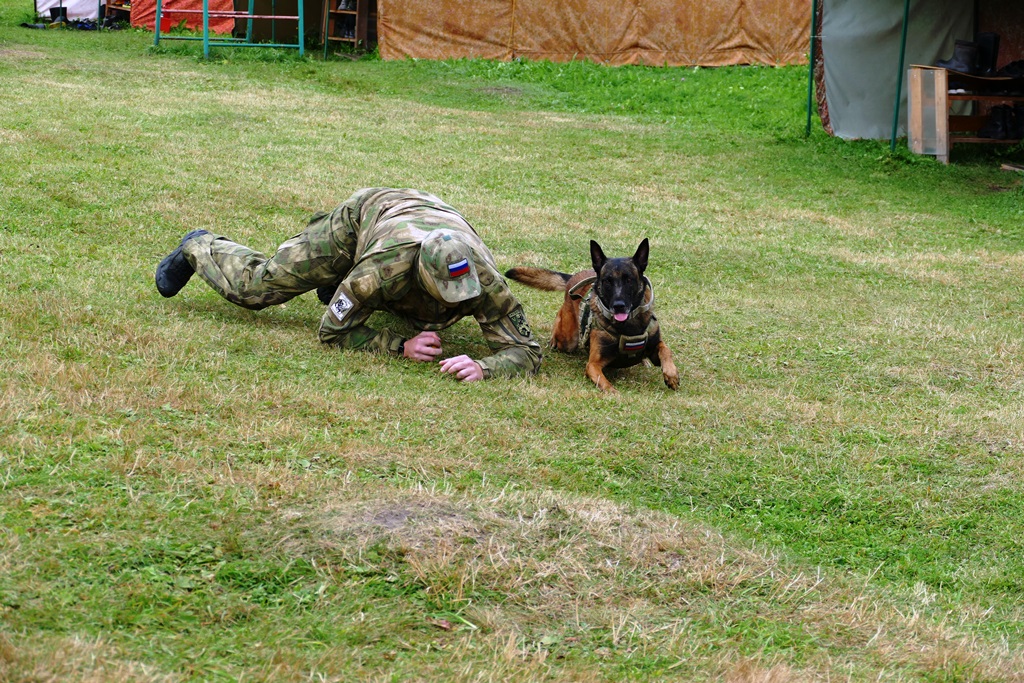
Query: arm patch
x=518, y=319
x=341, y=307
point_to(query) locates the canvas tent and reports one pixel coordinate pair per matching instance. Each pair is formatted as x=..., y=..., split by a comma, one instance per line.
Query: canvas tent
x=143, y=12
x=864, y=47
x=657, y=32
x=76, y=9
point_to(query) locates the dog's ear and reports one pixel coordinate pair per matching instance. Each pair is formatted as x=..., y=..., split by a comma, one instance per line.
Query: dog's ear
x=597, y=257
x=640, y=257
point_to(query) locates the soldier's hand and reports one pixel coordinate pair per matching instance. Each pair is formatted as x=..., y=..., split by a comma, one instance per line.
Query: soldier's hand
x=425, y=346
x=463, y=367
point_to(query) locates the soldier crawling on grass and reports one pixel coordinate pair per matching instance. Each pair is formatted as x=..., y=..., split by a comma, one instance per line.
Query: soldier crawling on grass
x=401, y=251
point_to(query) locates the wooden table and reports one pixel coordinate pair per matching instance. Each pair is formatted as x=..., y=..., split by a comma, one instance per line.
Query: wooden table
x=932, y=129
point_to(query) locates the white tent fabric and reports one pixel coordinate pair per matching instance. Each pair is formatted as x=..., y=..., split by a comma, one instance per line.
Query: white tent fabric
x=860, y=44
x=77, y=9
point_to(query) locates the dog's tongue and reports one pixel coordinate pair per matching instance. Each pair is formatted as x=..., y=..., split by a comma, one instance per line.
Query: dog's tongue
x=621, y=317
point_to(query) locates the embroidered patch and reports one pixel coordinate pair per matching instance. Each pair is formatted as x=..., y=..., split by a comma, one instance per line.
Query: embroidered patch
x=342, y=306
x=458, y=269
x=518, y=319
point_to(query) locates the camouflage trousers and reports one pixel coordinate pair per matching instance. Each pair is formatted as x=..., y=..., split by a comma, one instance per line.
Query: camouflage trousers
x=321, y=254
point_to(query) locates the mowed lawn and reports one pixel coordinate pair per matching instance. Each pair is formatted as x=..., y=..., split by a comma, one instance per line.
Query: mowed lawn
x=193, y=491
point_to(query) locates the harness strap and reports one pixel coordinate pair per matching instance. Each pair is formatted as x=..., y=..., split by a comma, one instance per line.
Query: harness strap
x=580, y=285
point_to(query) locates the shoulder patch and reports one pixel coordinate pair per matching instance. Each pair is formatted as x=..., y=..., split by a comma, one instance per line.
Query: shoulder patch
x=518, y=319
x=341, y=307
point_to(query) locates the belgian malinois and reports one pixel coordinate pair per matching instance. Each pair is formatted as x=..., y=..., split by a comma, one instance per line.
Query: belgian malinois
x=609, y=311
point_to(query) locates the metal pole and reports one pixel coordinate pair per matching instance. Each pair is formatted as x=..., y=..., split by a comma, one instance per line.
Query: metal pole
x=206, y=29
x=326, y=31
x=156, y=25
x=248, y=22
x=810, y=68
x=899, y=76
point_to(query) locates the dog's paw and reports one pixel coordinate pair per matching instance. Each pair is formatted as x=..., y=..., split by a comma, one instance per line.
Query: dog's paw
x=672, y=381
x=564, y=347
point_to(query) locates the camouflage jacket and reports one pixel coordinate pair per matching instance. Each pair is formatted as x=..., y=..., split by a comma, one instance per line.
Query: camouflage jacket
x=389, y=226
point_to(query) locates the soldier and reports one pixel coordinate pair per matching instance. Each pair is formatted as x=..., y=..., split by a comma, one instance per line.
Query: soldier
x=401, y=251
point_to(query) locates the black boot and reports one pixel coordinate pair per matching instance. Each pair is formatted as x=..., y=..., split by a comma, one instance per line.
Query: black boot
x=988, y=53
x=999, y=124
x=326, y=292
x=1016, y=121
x=174, y=271
x=1017, y=132
x=1009, y=125
x=964, y=59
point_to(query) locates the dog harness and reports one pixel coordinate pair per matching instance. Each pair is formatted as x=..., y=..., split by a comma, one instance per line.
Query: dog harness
x=630, y=346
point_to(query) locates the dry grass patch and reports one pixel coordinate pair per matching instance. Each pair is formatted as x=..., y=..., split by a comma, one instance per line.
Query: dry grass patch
x=511, y=566
x=20, y=53
x=70, y=659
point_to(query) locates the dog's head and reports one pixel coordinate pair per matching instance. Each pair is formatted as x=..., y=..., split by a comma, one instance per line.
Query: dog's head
x=620, y=283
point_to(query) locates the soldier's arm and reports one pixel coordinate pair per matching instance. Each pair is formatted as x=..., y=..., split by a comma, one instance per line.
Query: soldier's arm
x=508, y=334
x=344, y=322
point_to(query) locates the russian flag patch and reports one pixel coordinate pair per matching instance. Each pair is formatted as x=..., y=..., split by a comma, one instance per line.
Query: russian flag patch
x=634, y=346
x=459, y=268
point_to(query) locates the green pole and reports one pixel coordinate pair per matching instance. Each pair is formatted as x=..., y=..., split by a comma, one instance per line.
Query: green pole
x=156, y=25
x=810, y=68
x=899, y=76
x=206, y=29
x=248, y=22
x=327, y=5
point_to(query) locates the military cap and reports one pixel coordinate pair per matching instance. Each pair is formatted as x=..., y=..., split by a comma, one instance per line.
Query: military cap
x=446, y=267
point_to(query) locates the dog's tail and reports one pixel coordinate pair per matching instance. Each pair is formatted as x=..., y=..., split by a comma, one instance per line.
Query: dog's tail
x=539, y=278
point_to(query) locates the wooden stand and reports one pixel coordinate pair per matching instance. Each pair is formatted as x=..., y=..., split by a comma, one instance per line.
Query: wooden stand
x=117, y=10
x=347, y=21
x=931, y=129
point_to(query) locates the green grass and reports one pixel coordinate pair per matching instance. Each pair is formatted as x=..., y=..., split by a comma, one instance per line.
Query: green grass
x=192, y=491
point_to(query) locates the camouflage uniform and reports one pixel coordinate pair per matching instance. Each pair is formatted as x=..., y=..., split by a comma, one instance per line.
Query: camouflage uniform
x=369, y=248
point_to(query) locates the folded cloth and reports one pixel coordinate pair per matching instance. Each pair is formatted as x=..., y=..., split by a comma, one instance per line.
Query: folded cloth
x=1012, y=70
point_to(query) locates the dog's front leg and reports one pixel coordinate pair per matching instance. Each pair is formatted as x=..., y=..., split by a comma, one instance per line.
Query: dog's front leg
x=668, y=366
x=596, y=364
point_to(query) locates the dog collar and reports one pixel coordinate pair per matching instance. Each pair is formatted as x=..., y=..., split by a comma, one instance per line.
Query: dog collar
x=642, y=308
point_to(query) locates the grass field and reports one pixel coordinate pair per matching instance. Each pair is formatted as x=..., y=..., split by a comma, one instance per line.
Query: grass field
x=193, y=491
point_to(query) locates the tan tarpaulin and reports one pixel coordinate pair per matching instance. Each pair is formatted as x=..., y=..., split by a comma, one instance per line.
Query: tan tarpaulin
x=657, y=32
x=143, y=15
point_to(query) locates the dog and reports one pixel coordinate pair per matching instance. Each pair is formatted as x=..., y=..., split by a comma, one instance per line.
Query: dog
x=609, y=311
